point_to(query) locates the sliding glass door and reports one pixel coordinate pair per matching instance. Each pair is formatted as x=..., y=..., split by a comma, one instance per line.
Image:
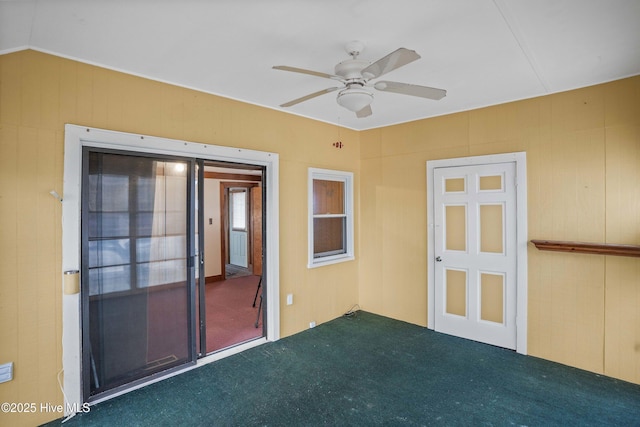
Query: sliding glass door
x=138, y=267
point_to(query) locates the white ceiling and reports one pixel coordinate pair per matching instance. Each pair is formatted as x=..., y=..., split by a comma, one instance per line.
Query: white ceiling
x=483, y=52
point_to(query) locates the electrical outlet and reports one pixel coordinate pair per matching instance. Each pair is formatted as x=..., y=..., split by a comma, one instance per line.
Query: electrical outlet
x=6, y=372
x=312, y=325
x=289, y=299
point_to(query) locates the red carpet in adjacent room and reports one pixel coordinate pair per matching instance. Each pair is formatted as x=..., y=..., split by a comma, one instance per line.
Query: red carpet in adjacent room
x=231, y=317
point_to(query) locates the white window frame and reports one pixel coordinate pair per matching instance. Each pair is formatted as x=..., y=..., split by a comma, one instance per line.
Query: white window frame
x=347, y=179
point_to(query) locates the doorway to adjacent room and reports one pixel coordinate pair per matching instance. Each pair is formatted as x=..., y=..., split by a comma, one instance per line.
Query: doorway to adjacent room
x=232, y=204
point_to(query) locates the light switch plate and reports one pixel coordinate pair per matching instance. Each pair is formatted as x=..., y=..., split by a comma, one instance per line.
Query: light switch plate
x=6, y=372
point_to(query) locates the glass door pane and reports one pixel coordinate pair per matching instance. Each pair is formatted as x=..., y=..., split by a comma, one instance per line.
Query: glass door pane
x=136, y=245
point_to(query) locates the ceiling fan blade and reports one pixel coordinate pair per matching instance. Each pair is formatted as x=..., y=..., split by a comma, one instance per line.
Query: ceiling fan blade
x=409, y=89
x=310, y=72
x=310, y=96
x=395, y=59
x=365, y=112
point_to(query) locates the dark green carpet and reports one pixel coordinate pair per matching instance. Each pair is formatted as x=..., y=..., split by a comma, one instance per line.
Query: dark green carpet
x=370, y=370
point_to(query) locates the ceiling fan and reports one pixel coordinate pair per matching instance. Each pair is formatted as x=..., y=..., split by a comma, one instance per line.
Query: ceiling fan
x=355, y=75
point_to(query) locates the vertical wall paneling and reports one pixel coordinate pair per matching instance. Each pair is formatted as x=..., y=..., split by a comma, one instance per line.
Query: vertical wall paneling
x=39, y=94
x=582, y=160
x=582, y=151
x=622, y=320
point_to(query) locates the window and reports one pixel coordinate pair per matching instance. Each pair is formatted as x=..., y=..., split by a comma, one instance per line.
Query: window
x=330, y=217
x=238, y=209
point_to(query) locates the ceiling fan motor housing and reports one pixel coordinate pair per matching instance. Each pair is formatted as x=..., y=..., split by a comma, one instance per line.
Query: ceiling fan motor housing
x=351, y=69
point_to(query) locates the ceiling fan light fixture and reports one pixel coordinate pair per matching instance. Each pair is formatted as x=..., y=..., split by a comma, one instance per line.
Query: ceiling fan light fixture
x=354, y=99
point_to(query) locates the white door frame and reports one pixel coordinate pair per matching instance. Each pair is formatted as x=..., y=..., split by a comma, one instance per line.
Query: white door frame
x=520, y=159
x=77, y=137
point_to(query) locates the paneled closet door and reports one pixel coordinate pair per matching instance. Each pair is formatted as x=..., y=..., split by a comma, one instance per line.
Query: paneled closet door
x=475, y=252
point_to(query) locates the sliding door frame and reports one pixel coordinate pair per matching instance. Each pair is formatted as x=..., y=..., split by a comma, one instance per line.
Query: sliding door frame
x=201, y=308
x=77, y=137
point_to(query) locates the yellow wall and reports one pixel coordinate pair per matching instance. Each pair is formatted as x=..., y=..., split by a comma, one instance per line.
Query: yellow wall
x=212, y=234
x=583, y=160
x=39, y=93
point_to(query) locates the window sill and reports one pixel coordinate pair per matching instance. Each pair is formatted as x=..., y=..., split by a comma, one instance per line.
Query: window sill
x=331, y=261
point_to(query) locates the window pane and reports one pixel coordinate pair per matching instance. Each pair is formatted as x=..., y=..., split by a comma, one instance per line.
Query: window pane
x=239, y=209
x=150, y=193
x=108, y=224
x=104, y=253
x=328, y=197
x=329, y=236
x=105, y=280
x=161, y=248
x=108, y=193
x=162, y=273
